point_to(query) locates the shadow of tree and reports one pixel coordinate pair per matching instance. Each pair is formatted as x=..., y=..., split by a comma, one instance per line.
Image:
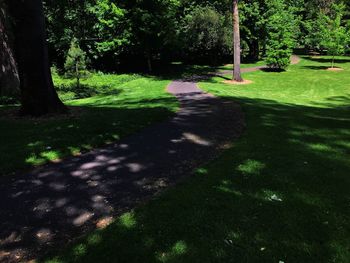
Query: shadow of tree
x=280, y=194
x=327, y=59
x=315, y=67
x=83, y=130
x=61, y=201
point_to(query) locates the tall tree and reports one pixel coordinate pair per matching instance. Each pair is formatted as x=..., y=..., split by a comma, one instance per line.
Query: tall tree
x=236, y=44
x=9, y=82
x=38, y=96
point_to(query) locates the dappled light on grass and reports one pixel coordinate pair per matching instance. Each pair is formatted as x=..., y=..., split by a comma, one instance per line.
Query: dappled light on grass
x=281, y=194
x=251, y=167
x=93, y=122
x=178, y=249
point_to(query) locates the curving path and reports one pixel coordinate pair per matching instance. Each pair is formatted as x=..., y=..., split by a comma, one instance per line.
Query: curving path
x=56, y=203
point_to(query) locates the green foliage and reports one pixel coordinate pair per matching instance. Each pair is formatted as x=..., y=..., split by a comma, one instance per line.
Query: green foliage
x=253, y=27
x=206, y=33
x=115, y=34
x=282, y=29
x=110, y=28
x=333, y=36
x=66, y=20
x=75, y=64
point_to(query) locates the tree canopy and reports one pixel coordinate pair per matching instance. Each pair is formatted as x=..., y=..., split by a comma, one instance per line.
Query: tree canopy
x=141, y=35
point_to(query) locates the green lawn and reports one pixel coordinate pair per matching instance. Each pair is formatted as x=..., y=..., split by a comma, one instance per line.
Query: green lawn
x=123, y=104
x=244, y=65
x=281, y=194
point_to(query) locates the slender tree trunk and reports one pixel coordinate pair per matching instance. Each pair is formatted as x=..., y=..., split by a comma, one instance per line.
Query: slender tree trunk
x=9, y=79
x=254, y=50
x=149, y=61
x=333, y=62
x=38, y=95
x=77, y=75
x=236, y=44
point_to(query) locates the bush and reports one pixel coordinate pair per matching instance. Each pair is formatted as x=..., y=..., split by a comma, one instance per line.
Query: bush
x=5, y=100
x=206, y=34
x=75, y=65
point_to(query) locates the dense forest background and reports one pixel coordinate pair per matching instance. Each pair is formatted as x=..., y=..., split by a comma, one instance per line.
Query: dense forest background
x=138, y=34
x=145, y=35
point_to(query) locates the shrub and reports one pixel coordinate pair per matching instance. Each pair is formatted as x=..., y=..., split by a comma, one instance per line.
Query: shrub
x=75, y=65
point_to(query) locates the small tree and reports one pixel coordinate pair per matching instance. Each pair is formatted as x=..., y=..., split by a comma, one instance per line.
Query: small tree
x=333, y=35
x=281, y=27
x=75, y=64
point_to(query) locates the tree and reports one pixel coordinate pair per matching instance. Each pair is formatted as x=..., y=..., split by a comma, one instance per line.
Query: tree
x=66, y=19
x=75, y=64
x=282, y=29
x=253, y=28
x=9, y=80
x=333, y=35
x=236, y=44
x=38, y=96
x=206, y=34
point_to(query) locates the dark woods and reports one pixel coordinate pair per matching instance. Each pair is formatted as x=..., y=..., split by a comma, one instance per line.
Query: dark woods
x=116, y=36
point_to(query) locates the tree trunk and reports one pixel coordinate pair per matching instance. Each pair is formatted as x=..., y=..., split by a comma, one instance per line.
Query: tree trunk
x=38, y=96
x=9, y=79
x=254, y=50
x=77, y=74
x=149, y=61
x=236, y=44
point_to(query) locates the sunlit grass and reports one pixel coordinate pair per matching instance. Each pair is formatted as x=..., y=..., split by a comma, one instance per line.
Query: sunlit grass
x=281, y=194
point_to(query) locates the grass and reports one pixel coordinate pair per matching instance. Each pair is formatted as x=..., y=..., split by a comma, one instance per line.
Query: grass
x=281, y=194
x=121, y=105
x=244, y=65
x=92, y=85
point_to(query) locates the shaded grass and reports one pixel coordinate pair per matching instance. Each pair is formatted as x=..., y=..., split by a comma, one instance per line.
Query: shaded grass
x=244, y=65
x=128, y=105
x=281, y=194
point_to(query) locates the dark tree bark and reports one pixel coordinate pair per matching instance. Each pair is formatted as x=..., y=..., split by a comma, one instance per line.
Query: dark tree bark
x=236, y=44
x=9, y=79
x=149, y=61
x=38, y=96
x=254, y=50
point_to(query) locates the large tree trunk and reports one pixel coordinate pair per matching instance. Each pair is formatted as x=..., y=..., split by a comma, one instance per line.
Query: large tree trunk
x=9, y=79
x=38, y=95
x=236, y=44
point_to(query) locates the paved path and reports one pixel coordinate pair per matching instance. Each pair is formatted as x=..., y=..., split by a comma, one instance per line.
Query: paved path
x=58, y=202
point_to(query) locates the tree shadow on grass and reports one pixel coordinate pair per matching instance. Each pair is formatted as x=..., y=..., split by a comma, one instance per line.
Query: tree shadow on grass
x=315, y=67
x=32, y=142
x=275, y=70
x=280, y=194
x=327, y=60
x=50, y=205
